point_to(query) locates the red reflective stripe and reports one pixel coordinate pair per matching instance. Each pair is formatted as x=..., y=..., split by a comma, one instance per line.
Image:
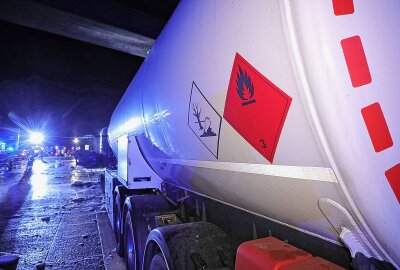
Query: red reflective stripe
x=343, y=7
x=377, y=127
x=393, y=177
x=356, y=61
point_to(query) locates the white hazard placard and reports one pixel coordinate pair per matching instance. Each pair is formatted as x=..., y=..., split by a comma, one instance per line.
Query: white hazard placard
x=204, y=120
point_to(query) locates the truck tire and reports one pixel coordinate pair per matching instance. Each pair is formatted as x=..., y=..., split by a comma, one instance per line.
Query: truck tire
x=118, y=219
x=140, y=217
x=190, y=246
x=158, y=263
x=130, y=253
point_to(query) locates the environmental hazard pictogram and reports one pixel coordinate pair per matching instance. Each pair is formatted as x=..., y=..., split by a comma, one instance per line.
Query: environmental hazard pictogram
x=255, y=107
x=204, y=120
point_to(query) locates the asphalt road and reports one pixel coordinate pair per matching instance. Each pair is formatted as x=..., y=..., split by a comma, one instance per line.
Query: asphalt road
x=55, y=218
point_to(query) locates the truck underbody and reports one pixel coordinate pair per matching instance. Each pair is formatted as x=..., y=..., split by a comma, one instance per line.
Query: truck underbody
x=159, y=225
x=148, y=214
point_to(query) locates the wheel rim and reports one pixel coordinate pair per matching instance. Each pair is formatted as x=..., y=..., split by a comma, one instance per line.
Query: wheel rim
x=130, y=255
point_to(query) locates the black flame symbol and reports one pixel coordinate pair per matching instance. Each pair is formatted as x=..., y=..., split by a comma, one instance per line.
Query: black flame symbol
x=244, y=87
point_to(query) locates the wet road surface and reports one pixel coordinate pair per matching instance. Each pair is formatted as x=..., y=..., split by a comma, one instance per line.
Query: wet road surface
x=50, y=217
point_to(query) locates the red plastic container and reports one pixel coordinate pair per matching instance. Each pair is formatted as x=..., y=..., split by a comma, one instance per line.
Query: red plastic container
x=315, y=263
x=268, y=254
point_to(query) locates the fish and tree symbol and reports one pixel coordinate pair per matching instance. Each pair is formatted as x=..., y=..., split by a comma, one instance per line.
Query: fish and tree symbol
x=205, y=124
x=204, y=120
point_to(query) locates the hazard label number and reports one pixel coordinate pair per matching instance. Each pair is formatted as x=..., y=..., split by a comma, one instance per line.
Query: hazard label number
x=255, y=107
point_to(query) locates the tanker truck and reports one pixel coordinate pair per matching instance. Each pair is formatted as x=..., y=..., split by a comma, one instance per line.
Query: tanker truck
x=262, y=135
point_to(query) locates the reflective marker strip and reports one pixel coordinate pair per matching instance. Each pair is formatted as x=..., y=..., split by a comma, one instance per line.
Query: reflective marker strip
x=377, y=127
x=393, y=177
x=356, y=61
x=343, y=7
x=293, y=172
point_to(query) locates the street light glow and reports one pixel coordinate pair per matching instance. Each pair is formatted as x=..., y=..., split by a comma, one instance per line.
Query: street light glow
x=36, y=138
x=76, y=140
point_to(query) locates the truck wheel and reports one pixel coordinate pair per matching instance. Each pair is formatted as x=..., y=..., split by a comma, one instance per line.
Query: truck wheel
x=141, y=212
x=190, y=246
x=158, y=263
x=118, y=224
x=129, y=243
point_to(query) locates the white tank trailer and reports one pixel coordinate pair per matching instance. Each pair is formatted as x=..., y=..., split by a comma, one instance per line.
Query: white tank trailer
x=262, y=117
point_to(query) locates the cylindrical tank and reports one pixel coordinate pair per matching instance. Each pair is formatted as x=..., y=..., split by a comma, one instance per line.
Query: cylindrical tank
x=287, y=109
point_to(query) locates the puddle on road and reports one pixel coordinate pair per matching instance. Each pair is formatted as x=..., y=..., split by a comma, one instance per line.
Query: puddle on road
x=39, y=227
x=39, y=183
x=39, y=180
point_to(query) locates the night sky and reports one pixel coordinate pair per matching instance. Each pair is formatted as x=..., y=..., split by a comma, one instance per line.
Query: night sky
x=67, y=87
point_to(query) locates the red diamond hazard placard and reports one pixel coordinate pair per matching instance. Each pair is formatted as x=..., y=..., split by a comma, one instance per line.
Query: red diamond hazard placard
x=255, y=107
